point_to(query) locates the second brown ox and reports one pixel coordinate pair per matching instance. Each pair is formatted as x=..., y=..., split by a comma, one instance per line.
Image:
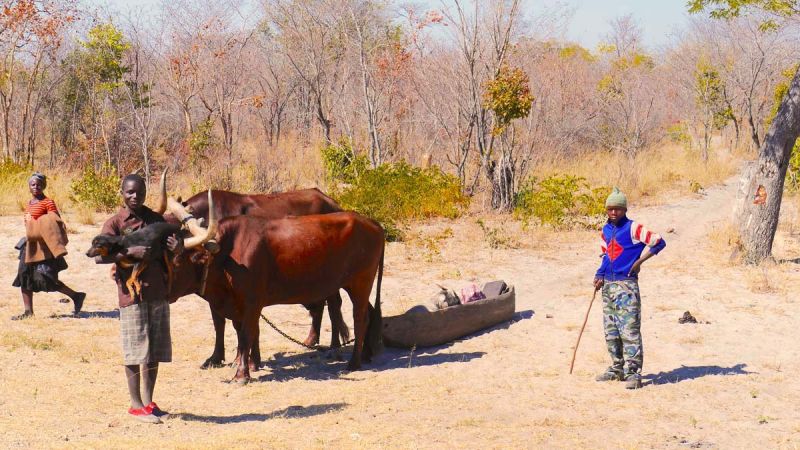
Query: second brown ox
x=295, y=260
x=269, y=206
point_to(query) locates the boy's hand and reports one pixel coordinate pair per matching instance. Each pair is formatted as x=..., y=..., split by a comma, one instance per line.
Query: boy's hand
x=637, y=266
x=598, y=283
x=174, y=245
x=137, y=252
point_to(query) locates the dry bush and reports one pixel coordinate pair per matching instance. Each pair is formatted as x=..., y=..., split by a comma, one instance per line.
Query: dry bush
x=429, y=244
x=764, y=279
x=724, y=243
x=85, y=215
x=497, y=237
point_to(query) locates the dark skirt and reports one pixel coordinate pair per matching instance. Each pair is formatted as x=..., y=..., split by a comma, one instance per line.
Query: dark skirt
x=40, y=276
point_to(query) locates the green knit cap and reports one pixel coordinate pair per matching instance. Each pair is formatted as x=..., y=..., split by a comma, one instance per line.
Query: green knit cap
x=617, y=198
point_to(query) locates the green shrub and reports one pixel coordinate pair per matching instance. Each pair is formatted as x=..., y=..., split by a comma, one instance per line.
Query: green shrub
x=393, y=193
x=560, y=199
x=201, y=141
x=96, y=189
x=341, y=162
x=678, y=133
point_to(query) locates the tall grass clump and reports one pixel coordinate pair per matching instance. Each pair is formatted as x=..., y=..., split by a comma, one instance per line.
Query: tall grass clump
x=12, y=183
x=95, y=189
x=391, y=193
x=560, y=200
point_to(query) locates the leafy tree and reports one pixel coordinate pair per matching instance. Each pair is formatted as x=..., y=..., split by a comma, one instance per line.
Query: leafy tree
x=710, y=98
x=728, y=9
x=509, y=97
x=94, y=76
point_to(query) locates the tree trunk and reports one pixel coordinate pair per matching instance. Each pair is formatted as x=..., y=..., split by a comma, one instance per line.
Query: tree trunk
x=753, y=130
x=706, y=141
x=188, y=129
x=503, y=172
x=7, y=137
x=762, y=189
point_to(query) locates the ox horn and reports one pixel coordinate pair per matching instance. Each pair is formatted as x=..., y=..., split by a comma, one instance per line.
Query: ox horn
x=200, y=235
x=162, y=199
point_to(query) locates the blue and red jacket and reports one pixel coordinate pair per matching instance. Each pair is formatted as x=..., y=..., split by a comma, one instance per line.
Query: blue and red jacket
x=622, y=245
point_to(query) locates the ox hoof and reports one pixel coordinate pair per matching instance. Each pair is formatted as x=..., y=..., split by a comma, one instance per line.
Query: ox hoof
x=241, y=381
x=212, y=363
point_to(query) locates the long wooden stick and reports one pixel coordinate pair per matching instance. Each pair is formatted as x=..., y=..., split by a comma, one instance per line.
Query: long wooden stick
x=585, y=319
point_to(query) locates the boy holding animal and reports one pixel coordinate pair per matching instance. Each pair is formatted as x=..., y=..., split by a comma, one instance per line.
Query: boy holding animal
x=144, y=315
x=626, y=246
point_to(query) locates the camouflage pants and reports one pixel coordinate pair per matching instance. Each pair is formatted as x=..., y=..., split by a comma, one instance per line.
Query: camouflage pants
x=622, y=319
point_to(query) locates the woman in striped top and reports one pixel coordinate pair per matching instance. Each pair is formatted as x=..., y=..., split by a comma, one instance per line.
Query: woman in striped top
x=41, y=276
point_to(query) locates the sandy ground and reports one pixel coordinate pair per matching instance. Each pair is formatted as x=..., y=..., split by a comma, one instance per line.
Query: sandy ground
x=729, y=382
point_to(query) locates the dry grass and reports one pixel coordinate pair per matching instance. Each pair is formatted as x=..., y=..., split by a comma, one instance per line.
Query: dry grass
x=85, y=216
x=658, y=174
x=724, y=243
x=14, y=194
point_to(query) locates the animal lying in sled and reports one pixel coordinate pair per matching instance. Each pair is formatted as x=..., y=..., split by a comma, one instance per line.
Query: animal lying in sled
x=450, y=318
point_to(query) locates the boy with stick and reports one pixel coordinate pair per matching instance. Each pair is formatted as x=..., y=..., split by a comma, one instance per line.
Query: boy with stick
x=626, y=246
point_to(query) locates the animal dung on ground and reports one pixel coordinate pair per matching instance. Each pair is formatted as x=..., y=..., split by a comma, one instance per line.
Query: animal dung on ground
x=687, y=318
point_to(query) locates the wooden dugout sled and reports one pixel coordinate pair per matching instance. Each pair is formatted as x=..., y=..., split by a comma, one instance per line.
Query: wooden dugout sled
x=423, y=328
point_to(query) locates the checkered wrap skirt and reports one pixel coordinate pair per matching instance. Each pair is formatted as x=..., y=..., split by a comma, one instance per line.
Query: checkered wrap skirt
x=145, y=333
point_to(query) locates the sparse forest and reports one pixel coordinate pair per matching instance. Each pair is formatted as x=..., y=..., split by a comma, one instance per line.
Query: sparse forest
x=259, y=96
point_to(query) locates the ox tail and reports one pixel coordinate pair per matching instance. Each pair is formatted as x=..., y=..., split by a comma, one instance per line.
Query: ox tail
x=375, y=327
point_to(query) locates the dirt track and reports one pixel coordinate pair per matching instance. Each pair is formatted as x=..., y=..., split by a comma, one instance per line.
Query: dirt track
x=731, y=382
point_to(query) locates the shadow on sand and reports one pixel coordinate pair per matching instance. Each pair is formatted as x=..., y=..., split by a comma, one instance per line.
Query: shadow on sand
x=684, y=373
x=291, y=412
x=113, y=314
x=332, y=364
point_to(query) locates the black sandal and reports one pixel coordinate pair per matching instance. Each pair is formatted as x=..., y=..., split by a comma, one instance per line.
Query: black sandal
x=23, y=316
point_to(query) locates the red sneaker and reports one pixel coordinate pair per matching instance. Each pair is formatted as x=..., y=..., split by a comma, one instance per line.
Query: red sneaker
x=153, y=409
x=144, y=414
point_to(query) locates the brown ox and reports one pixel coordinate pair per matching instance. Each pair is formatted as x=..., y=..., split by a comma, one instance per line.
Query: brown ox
x=272, y=206
x=295, y=260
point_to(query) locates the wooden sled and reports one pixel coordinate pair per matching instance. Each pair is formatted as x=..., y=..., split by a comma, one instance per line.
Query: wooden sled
x=422, y=328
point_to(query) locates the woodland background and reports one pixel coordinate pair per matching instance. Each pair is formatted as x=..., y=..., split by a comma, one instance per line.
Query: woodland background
x=480, y=100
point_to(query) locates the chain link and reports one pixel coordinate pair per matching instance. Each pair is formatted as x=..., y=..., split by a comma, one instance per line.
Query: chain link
x=318, y=348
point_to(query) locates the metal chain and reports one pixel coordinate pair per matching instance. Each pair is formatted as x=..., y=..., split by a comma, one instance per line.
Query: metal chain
x=318, y=347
